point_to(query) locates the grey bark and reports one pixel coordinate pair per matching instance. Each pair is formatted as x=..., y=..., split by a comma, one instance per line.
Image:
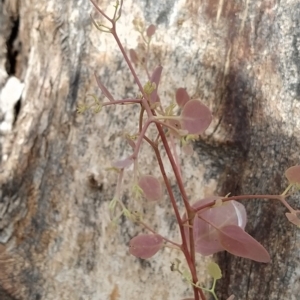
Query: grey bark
x=241, y=58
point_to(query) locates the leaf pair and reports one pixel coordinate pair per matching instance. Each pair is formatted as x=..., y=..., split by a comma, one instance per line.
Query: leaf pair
x=146, y=245
x=150, y=31
x=221, y=227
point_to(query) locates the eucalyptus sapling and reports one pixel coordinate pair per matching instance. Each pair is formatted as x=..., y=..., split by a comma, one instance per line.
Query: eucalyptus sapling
x=207, y=226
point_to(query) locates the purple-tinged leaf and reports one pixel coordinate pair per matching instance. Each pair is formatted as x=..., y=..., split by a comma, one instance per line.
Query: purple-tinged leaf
x=227, y=213
x=122, y=163
x=133, y=56
x=238, y=242
x=195, y=117
x=151, y=30
x=205, y=237
x=145, y=245
x=205, y=234
x=293, y=218
x=152, y=188
x=155, y=78
x=104, y=90
x=293, y=174
x=182, y=97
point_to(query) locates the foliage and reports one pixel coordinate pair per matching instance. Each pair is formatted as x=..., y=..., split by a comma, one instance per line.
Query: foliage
x=210, y=225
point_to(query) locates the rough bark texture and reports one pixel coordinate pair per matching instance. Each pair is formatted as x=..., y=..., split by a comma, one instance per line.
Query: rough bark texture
x=241, y=58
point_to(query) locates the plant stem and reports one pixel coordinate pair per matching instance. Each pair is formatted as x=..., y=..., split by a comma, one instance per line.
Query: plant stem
x=245, y=197
x=140, y=138
x=125, y=101
x=153, y=231
x=144, y=100
x=101, y=11
x=190, y=258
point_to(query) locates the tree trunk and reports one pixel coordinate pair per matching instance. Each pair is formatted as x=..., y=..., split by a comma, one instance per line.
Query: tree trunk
x=241, y=58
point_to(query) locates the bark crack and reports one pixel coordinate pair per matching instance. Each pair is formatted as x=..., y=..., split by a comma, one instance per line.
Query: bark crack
x=12, y=53
x=12, y=45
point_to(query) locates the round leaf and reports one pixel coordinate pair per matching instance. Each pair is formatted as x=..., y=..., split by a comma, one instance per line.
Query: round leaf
x=195, y=117
x=152, y=188
x=293, y=174
x=182, y=97
x=214, y=270
x=206, y=236
x=151, y=30
x=133, y=56
x=293, y=218
x=145, y=245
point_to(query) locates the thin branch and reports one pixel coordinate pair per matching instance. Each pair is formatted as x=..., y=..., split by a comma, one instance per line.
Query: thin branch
x=101, y=11
x=124, y=101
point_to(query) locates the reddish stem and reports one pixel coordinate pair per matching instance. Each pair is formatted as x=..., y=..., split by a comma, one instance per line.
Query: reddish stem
x=241, y=197
x=101, y=11
x=153, y=231
x=190, y=256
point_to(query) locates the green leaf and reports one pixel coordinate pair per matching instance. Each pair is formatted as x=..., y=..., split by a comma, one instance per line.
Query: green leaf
x=186, y=275
x=137, y=191
x=214, y=270
x=112, y=204
x=126, y=213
